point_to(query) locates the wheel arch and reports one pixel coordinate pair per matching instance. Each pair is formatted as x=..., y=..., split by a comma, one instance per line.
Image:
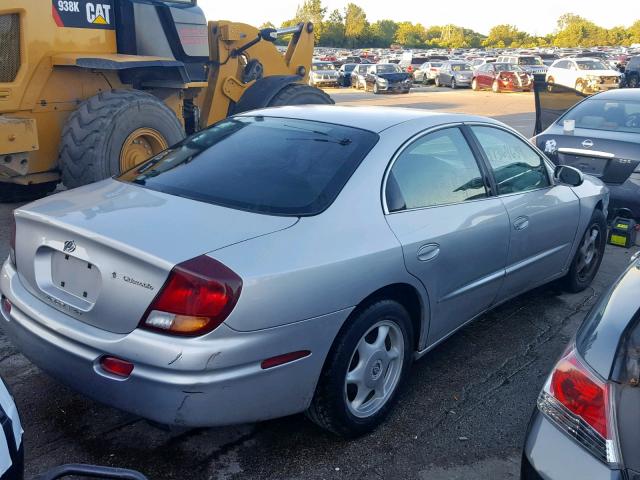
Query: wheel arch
x=406, y=295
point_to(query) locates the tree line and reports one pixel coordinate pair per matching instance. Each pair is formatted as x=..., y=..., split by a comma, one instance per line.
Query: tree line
x=349, y=28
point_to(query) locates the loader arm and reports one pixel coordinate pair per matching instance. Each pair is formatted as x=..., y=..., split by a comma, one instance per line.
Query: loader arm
x=229, y=57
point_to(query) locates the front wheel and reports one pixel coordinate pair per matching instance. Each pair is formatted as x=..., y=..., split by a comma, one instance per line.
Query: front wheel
x=474, y=85
x=633, y=82
x=376, y=91
x=581, y=86
x=437, y=82
x=453, y=84
x=364, y=371
x=588, y=257
x=495, y=87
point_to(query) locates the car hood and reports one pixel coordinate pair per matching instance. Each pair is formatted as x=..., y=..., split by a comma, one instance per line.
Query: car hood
x=126, y=239
x=393, y=77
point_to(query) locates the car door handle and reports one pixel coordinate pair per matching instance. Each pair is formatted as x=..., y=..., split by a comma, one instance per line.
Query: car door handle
x=521, y=223
x=428, y=252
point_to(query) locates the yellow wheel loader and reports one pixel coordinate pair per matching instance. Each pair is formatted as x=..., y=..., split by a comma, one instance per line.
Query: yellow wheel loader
x=89, y=89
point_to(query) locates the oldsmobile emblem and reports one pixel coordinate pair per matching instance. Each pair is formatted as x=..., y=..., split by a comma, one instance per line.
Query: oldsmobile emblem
x=69, y=246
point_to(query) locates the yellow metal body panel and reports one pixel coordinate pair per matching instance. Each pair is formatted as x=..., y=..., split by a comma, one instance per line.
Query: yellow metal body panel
x=49, y=85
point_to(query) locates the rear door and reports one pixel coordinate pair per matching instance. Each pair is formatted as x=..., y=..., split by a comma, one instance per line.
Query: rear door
x=543, y=217
x=454, y=235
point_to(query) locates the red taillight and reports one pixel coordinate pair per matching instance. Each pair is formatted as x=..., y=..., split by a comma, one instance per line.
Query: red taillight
x=12, y=239
x=578, y=390
x=116, y=366
x=282, y=359
x=196, y=298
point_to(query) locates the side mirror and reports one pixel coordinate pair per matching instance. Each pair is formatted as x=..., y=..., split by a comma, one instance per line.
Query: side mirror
x=568, y=175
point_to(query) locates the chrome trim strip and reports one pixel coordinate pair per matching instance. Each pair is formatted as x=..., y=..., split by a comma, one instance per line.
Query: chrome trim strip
x=475, y=284
x=586, y=153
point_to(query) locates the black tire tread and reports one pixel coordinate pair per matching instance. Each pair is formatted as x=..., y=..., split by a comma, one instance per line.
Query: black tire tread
x=289, y=94
x=86, y=129
x=319, y=411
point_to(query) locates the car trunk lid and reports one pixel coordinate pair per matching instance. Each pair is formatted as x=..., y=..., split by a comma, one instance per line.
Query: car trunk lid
x=612, y=159
x=101, y=253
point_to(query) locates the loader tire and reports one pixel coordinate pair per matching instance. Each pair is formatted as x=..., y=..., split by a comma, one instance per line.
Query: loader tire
x=297, y=94
x=94, y=135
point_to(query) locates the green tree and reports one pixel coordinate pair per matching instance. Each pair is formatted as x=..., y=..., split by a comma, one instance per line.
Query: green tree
x=333, y=35
x=634, y=32
x=382, y=33
x=410, y=35
x=355, y=24
x=312, y=11
x=507, y=35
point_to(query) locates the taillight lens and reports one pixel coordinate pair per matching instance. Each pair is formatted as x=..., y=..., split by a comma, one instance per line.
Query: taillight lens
x=579, y=403
x=116, y=366
x=196, y=298
x=12, y=239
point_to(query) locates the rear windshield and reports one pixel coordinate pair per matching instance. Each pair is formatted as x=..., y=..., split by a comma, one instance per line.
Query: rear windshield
x=275, y=166
x=529, y=61
x=608, y=115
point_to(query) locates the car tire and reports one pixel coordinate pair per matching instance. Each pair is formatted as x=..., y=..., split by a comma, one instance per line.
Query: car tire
x=375, y=89
x=436, y=82
x=474, y=85
x=633, y=81
x=453, y=84
x=343, y=407
x=588, y=255
x=580, y=86
x=495, y=87
x=298, y=94
x=550, y=84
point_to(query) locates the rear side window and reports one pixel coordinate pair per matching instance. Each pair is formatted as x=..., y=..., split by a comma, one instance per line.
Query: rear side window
x=516, y=166
x=276, y=166
x=436, y=169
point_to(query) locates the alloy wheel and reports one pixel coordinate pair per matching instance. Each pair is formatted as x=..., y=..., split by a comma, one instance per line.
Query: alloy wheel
x=375, y=369
x=589, y=252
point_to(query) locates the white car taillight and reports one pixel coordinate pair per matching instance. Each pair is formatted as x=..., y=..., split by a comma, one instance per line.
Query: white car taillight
x=579, y=403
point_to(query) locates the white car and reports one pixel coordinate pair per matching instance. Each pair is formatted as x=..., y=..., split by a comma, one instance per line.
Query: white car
x=586, y=75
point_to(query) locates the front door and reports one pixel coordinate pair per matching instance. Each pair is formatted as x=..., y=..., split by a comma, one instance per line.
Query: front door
x=543, y=217
x=454, y=236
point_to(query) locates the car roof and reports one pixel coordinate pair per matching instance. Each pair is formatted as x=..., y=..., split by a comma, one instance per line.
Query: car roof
x=372, y=118
x=622, y=95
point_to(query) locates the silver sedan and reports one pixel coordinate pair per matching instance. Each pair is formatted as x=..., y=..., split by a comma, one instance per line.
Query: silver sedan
x=291, y=260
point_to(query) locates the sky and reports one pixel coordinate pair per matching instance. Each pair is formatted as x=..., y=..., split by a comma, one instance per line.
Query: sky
x=533, y=16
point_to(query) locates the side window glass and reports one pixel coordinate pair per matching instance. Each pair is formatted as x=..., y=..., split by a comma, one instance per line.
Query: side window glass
x=516, y=166
x=437, y=169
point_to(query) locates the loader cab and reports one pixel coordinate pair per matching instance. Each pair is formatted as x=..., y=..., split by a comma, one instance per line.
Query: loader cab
x=175, y=30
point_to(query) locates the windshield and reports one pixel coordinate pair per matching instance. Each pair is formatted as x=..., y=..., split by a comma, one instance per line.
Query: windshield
x=591, y=65
x=508, y=67
x=322, y=66
x=298, y=169
x=529, y=61
x=388, y=68
x=350, y=66
x=608, y=115
x=460, y=67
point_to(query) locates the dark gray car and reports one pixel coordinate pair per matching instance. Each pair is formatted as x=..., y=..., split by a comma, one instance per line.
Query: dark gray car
x=585, y=425
x=600, y=136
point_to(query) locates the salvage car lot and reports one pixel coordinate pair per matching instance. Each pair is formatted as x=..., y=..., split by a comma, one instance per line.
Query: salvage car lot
x=465, y=409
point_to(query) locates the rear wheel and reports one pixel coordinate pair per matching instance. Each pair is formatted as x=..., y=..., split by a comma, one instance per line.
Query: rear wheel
x=633, y=81
x=474, y=85
x=588, y=257
x=13, y=193
x=112, y=132
x=437, y=82
x=364, y=370
x=453, y=84
x=495, y=87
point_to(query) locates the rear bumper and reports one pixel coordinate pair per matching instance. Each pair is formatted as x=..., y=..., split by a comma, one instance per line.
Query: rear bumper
x=208, y=381
x=549, y=454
